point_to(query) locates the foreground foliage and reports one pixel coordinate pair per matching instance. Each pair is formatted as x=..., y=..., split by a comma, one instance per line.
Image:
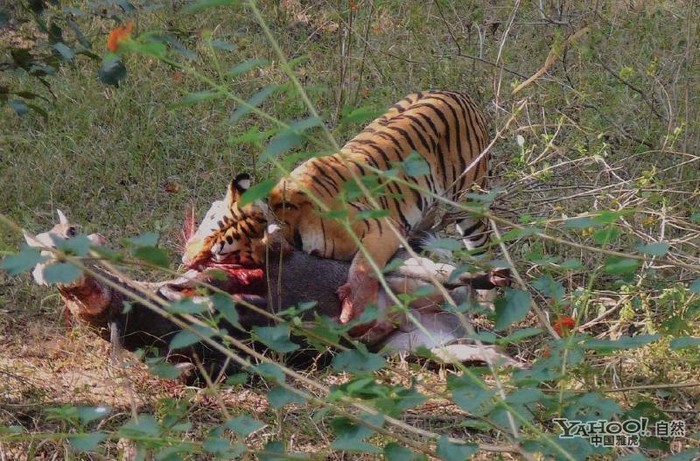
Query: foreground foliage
x=597, y=209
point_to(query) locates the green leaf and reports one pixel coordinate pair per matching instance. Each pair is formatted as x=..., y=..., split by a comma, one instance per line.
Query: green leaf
x=623, y=343
x=19, y=106
x=444, y=244
x=64, y=51
x=654, y=249
x=571, y=264
x=174, y=44
x=304, y=124
x=87, y=442
x=152, y=255
x=361, y=114
x=352, y=189
x=216, y=445
x=591, y=405
x=112, y=72
x=608, y=217
x=238, y=379
x=617, y=265
x=125, y=5
x=30, y=95
x=280, y=396
x=487, y=337
x=276, y=338
x=226, y=306
x=684, y=342
x=511, y=307
x=526, y=395
x=580, y=223
x=270, y=371
x=337, y=214
x=245, y=66
x=186, y=306
x=451, y=451
x=197, y=97
x=274, y=451
x=63, y=273
x=254, y=135
x=549, y=287
x=77, y=246
x=222, y=45
x=39, y=111
x=356, y=361
x=87, y=414
x=415, y=165
x=149, y=239
x=23, y=261
x=144, y=425
x=685, y=455
x=186, y=338
x=606, y=235
x=257, y=99
x=281, y=143
x=694, y=286
x=470, y=394
x=82, y=39
x=203, y=4
x=244, y=425
x=398, y=401
x=372, y=214
x=164, y=370
x=519, y=335
x=257, y=192
x=350, y=436
x=395, y=452
x=108, y=254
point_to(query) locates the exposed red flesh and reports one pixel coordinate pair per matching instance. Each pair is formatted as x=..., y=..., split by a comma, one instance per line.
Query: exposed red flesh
x=239, y=279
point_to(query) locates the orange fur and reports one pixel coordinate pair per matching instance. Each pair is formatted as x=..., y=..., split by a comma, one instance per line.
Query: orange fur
x=448, y=132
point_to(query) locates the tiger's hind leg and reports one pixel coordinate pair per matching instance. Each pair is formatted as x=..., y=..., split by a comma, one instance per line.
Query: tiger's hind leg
x=475, y=232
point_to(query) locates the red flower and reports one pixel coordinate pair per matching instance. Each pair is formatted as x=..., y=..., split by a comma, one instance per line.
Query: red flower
x=118, y=35
x=564, y=325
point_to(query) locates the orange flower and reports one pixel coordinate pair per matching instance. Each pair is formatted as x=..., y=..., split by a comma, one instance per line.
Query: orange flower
x=563, y=325
x=119, y=34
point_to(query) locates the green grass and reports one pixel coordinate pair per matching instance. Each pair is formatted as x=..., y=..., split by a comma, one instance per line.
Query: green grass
x=611, y=126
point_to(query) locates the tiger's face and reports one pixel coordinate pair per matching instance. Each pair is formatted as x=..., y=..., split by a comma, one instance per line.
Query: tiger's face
x=229, y=233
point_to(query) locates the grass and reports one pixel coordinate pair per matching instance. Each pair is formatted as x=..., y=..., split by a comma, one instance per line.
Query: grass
x=611, y=126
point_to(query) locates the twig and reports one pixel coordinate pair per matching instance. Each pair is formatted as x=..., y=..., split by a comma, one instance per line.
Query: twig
x=544, y=321
x=649, y=387
x=643, y=94
x=552, y=57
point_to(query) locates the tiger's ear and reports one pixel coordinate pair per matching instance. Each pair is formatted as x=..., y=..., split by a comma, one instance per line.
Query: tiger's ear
x=238, y=186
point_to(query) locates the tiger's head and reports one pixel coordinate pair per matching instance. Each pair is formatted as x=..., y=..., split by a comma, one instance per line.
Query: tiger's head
x=229, y=233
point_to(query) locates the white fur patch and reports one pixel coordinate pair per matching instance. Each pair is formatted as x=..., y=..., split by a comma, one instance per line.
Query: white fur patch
x=209, y=225
x=244, y=184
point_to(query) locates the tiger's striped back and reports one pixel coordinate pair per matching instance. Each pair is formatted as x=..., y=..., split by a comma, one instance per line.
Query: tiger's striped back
x=445, y=128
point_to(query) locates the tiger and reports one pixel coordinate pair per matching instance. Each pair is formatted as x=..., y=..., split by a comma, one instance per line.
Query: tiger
x=445, y=128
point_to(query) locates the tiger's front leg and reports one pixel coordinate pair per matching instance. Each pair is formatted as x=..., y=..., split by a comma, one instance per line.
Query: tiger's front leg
x=362, y=287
